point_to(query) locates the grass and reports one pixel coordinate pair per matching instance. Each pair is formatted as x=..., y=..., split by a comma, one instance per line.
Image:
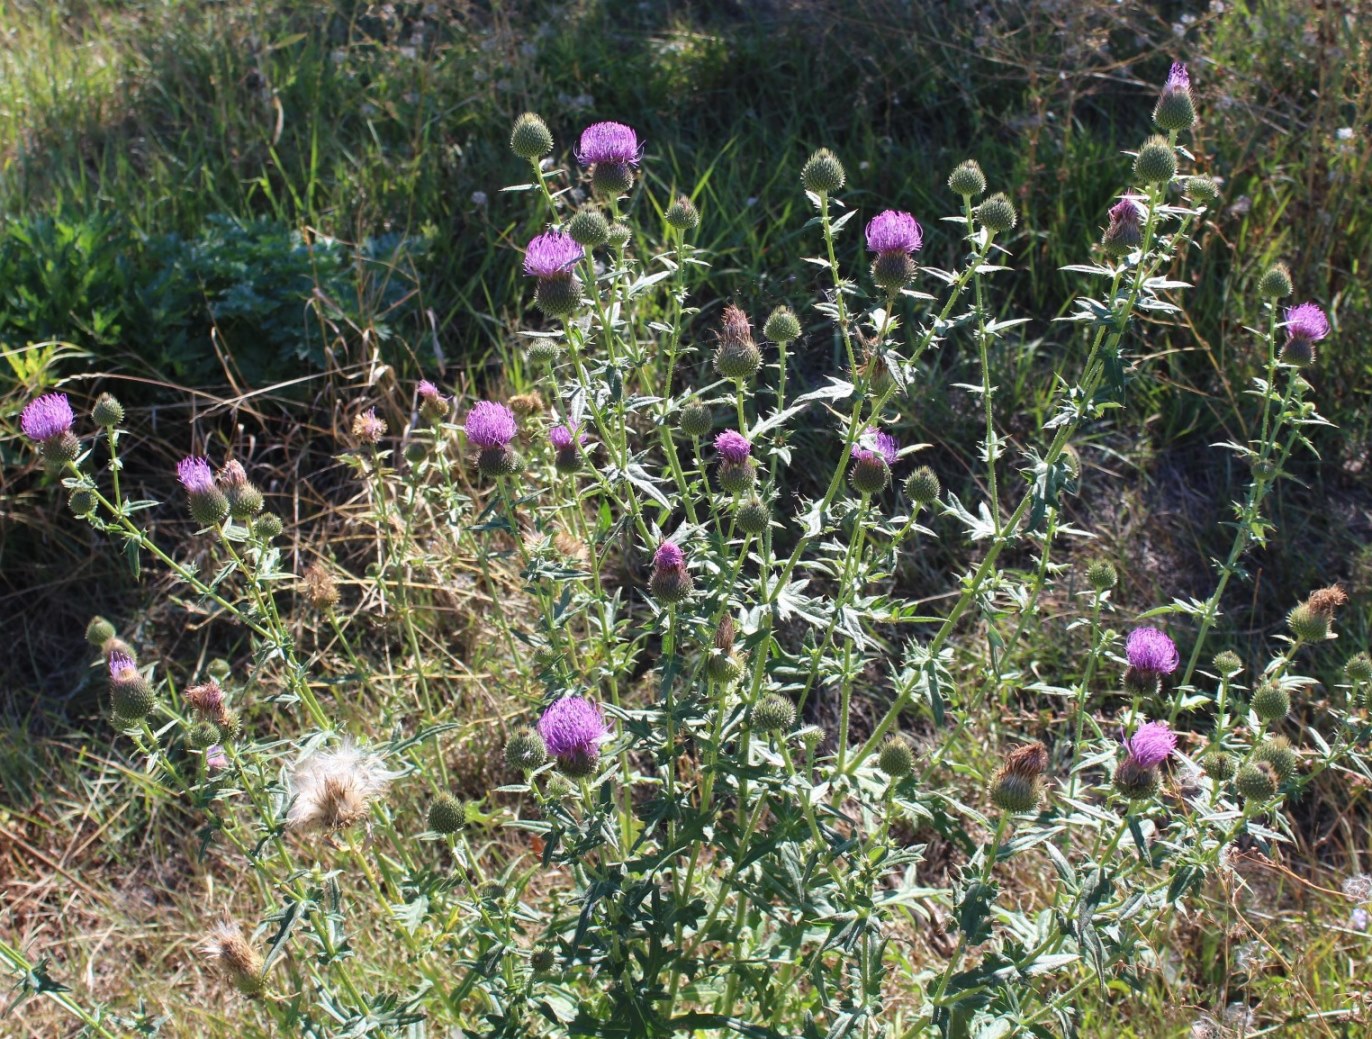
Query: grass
x=370, y=139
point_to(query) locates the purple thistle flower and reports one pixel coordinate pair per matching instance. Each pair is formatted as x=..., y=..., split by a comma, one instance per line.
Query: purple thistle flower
x=562, y=437
x=120, y=665
x=1306, y=322
x=490, y=424
x=875, y=444
x=429, y=391
x=733, y=446
x=669, y=557
x=195, y=475
x=1151, y=744
x=609, y=142
x=1151, y=652
x=552, y=253
x=894, y=232
x=1178, y=78
x=573, y=727
x=1128, y=210
x=47, y=417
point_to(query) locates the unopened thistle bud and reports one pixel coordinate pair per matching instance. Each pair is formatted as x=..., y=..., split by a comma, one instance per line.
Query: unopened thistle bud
x=1276, y=283
x=99, y=631
x=922, y=486
x=695, y=419
x=202, y=735
x=267, y=526
x=131, y=694
x=369, y=428
x=774, y=713
x=1156, y=162
x=1018, y=783
x=525, y=751
x=619, y=235
x=1256, y=781
x=1271, y=702
x=1202, y=189
x=753, y=516
x=683, y=215
x=1219, y=764
x=822, y=173
x=245, y=500
x=670, y=581
x=1227, y=663
x=447, y=814
x=736, y=472
x=782, y=326
x=107, y=411
x=81, y=501
x=551, y=258
x=230, y=952
x=967, y=180
x=997, y=213
x=543, y=352
x=1358, y=669
x=1175, y=109
x=542, y=959
x=1125, y=231
x=737, y=356
x=723, y=664
x=1101, y=576
x=319, y=587
x=530, y=138
x=1277, y=752
x=588, y=227
x=896, y=757
x=872, y=458
x=611, y=150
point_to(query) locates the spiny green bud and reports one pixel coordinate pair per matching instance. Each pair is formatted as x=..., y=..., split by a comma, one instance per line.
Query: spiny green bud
x=1358, y=669
x=822, y=173
x=202, y=735
x=1015, y=792
x=1203, y=189
x=447, y=814
x=99, y=631
x=1227, y=663
x=683, y=215
x=1277, y=752
x=131, y=694
x=611, y=179
x=1175, y=110
x=1219, y=764
x=542, y=958
x=1256, y=781
x=997, y=213
x=892, y=271
x=525, y=751
x=558, y=295
x=543, y=351
x=589, y=227
x=1156, y=162
x=967, y=180
x=1271, y=702
x=209, y=507
x=530, y=138
x=59, y=450
x=737, y=359
x=869, y=473
x=1136, y=781
x=737, y=477
x=922, y=486
x=782, y=326
x=1276, y=283
x=81, y=502
x=107, y=411
x=245, y=501
x=267, y=526
x=1307, y=624
x=695, y=419
x=618, y=235
x=724, y=667
x=498, y=461
x=774, y=713
x=753, y=516
x=896, y=757
x=1102, y=576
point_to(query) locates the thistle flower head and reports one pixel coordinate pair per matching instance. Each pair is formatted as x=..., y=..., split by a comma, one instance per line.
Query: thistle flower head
x=122, y=668
x=1325, y=601
x=573, y=729
x=552, y=253
x=490, y=424
x=1128, y=210
x=669, y=557
x=233, y=474
x=563, y=438
x=333, y=789
x=1151, y=652
x=428, y=390
x=609, y=142
x=195, y=475
x=47, y=417
x=207, y=698
x=1306, y=322
x=368, y=427
x=1178, y=78
x=894, y=231
x=733, y=446
x=1151, y=744
x=734, y=325
x=875, y=444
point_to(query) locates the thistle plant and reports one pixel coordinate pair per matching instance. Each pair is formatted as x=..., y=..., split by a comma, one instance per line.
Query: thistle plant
x=728, y=729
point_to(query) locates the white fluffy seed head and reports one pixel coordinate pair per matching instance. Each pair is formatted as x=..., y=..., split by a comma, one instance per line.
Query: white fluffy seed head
x=334, y=789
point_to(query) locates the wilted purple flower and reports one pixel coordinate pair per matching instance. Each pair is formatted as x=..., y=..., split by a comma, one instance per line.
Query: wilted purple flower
x=552, y=253
x=1151, y=652
x=733, y=446
x=195, y=475
x=573, y=729
x=215, y=758
x=562, y=437
x=608, y=142
x=490, y=424
x=894, y=231
x=47, y=417
x=1129, y=210
x=875, y=444
x=1306, y=322
x=669, y=556
x=1151, y=744
x=428, y=391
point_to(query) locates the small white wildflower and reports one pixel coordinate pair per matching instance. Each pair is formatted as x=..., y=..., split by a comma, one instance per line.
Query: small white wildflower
x=480, y=199
x=1344, y=133
x=334, y=789
x=1359, y=919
